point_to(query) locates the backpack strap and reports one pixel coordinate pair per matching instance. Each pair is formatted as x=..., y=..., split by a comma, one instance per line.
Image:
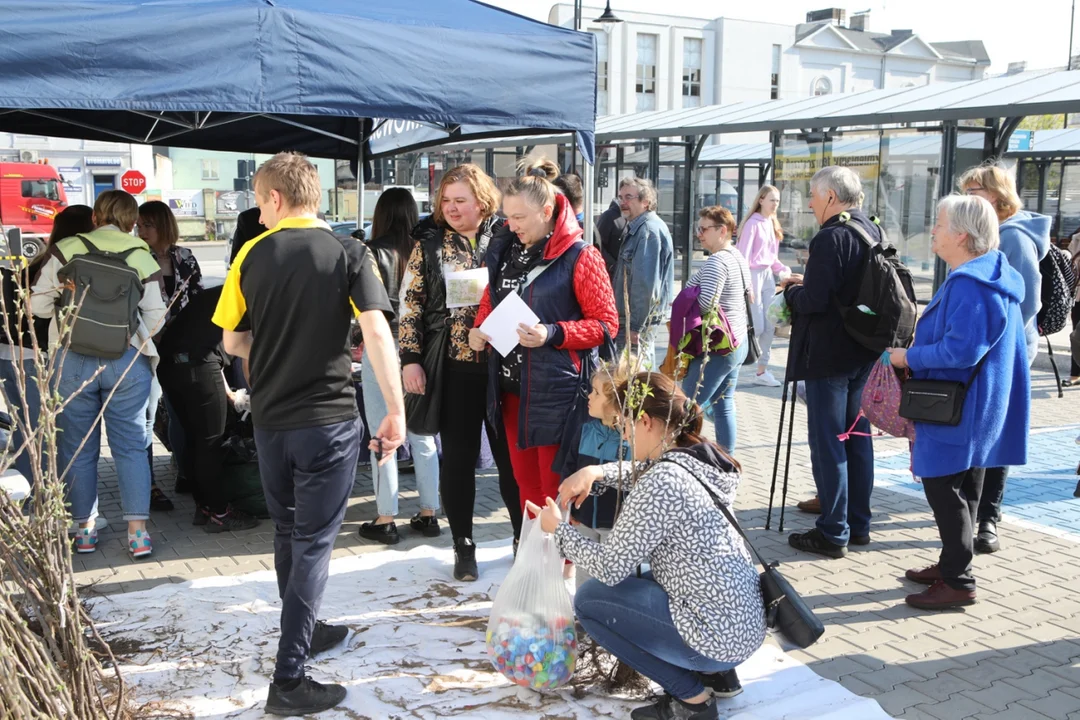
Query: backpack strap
x=93, y=249
x=845, y=219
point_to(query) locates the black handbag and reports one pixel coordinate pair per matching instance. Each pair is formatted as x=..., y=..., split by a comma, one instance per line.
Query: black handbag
x=938, y=402
x=785, y=611
x=422, y=411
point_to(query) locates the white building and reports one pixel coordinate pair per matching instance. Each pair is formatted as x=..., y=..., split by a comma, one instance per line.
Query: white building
x=662, y=62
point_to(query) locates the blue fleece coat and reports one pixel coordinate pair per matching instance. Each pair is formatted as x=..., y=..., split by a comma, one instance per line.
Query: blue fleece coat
x=976, y=311
x=1025, y=240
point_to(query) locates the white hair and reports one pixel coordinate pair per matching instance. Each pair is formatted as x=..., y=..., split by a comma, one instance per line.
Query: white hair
x=643, y=188
x=843, y=182
x=974, y=216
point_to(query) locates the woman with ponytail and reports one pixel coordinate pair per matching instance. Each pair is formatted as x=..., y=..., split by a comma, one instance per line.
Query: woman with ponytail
x=539, y=391
x=697, y=613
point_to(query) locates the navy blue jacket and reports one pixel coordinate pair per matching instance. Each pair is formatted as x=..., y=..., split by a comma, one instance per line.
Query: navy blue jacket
x=820, y=346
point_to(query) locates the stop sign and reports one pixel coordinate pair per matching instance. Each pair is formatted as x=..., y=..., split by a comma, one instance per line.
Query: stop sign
x=133, y=181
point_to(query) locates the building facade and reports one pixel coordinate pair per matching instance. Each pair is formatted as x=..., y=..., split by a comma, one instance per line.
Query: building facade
x=662, y=62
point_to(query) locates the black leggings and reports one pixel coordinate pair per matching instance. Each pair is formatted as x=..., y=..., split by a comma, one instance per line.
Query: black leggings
x=196, y=392
x=463, y=410
x=1074, y=371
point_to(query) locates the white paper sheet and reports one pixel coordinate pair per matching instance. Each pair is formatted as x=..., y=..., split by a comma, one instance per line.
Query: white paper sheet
x=465, y=288
x=502, y=324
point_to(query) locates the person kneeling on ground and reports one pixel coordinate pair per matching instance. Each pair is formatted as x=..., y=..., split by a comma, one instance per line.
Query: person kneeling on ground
x=697, y=613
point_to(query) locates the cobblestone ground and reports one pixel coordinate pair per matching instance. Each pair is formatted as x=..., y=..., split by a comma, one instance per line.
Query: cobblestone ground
x=1013, y=655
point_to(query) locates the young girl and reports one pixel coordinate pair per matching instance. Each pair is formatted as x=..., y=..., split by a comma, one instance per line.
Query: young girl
x=697, y=613
x=601, y=443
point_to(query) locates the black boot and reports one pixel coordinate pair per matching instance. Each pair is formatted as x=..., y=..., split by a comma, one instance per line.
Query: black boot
x=303, y=697
x=723, y=684
x=671, y=709
x=465, y=569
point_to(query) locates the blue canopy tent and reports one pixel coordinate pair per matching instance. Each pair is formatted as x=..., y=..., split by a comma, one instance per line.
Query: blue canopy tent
x=318, y=76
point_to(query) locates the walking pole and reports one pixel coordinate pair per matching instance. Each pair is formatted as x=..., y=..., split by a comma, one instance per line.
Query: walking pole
x=776, y=458
x=787, y=460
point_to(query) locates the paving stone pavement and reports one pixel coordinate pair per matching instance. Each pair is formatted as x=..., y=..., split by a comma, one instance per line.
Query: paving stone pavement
x=1013, y=655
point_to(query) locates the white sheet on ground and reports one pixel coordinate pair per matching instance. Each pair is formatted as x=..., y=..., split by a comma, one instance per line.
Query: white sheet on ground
x=417, y=649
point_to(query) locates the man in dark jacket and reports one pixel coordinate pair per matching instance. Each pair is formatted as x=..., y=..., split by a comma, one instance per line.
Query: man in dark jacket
x=609, y=227
x=834, y=366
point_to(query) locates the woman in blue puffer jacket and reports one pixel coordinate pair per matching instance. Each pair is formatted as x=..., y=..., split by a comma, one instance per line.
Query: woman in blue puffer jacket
x=971, y=332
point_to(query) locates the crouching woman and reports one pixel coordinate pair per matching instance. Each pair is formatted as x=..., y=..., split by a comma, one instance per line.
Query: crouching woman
x=697, y=613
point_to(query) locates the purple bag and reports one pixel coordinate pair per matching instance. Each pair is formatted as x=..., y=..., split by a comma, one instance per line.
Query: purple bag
x=881, y=401
x=687, y=321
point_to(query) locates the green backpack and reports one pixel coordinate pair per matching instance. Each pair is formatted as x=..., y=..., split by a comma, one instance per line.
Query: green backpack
x=104, y=292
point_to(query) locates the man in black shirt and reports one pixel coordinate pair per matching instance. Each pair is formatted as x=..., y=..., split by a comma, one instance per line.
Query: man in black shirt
x=287, y=306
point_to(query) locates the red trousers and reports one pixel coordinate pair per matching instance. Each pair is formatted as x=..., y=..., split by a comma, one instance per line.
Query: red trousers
x=532, y=468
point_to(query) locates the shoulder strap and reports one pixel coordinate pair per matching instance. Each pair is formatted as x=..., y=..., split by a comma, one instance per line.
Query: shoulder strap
x=90, y=247
x=845, y=220
x=540, y=268
x=730, y=518
x=93, y=249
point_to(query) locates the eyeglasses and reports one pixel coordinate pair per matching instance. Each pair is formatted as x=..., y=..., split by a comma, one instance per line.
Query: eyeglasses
x=699, y=228
x=628, y=198
x=974, y=190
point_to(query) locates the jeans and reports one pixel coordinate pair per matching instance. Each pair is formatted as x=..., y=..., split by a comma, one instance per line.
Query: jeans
x=632, y=621
x=424, y=454
x=843, y=471
x=763, y=286
x=955, y=500
x=307, y=476
x=14, y=397
x=200, y=403
x=721, y=375
x=644, y=348
x=125, y=418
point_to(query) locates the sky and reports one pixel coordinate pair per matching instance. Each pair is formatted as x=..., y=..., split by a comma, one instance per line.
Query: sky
x=1036, y=30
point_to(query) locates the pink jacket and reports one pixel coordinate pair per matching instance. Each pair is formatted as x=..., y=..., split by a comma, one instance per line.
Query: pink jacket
x=758, y=244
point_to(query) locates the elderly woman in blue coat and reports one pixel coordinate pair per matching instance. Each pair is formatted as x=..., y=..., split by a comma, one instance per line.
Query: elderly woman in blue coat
x=972, y=332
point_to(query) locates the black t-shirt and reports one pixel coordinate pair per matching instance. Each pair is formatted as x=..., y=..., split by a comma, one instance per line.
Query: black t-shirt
x=296, y=288
x=511, y=276
x=192, y=331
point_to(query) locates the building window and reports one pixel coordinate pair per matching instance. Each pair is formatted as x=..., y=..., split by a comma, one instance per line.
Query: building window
x=601, y=73
x=822, y=86
x=646, y=71
x=209, y=169
x=691, y=79
x=775, y=92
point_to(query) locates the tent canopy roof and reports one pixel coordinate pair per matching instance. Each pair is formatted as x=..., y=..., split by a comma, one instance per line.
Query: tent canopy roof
x=267, y=75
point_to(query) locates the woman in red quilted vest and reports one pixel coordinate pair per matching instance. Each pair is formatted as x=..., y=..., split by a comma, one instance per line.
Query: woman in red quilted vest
x=540, y=388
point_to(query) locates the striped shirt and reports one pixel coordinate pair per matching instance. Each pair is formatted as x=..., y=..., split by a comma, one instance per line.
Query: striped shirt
x=725, y=275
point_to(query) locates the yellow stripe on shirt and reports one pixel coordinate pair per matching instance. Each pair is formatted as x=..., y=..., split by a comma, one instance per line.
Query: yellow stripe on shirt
x=232, y=306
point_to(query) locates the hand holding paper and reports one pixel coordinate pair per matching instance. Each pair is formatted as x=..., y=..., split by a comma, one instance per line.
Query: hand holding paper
x=501, y=325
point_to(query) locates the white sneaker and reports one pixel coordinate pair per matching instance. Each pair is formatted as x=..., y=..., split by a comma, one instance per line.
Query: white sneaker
x=766, y=378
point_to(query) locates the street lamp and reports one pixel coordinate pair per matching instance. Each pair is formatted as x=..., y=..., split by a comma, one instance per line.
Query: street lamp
x=607, y=19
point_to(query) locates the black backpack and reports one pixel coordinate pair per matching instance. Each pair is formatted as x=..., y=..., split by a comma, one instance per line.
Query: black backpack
x=884, y=311
x=1058, y=286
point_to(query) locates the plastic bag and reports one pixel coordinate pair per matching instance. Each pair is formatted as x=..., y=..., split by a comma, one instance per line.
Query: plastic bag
x=881, y=400
x=778, y=312
x=531, y=637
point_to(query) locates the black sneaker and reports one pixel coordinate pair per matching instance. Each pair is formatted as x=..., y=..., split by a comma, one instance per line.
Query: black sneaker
x=987, y=539
x=668, y=708
x=305, y=698
x=202, y=516
x=723, y=684
x=815, y=542
x=159, y=501
x=324, y=637
x=859, y=539
x=385, y=533
x=465, y=569
x=231, y=521
x=427, y=525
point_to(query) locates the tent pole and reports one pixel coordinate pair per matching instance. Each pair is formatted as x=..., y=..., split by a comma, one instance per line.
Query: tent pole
x=587, y=186
x=360, y=180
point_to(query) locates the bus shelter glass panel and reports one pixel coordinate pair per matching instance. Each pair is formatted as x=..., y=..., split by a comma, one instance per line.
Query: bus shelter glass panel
x=796, y=162
x=908, y=189
x=750, y=188
x=1052, y=198
x=1068, y=220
